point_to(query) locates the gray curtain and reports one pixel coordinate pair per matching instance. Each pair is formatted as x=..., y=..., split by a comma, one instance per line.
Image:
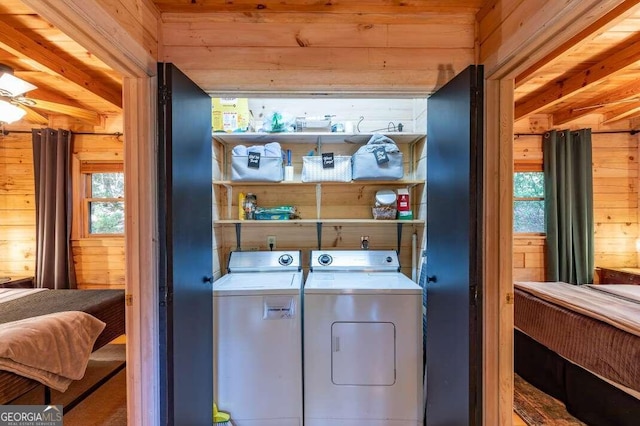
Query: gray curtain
x=52, y=169
x=568, y=180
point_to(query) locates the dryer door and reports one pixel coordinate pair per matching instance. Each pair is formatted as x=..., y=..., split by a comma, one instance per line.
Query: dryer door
x=363, y=353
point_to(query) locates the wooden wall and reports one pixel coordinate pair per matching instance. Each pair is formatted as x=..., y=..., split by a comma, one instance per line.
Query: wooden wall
x=17, y=206
x=615, y=187
x=99, y=262
x=301, y=52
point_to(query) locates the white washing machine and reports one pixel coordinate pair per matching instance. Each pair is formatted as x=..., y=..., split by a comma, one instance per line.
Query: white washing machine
x=258, y=339
x=362, y=341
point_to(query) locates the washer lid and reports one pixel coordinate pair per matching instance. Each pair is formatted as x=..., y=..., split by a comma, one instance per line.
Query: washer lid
x=253, y=283
x=360, y=283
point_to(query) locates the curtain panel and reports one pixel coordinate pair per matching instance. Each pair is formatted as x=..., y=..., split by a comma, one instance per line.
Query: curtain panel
x=53, y=195
x=568, y=178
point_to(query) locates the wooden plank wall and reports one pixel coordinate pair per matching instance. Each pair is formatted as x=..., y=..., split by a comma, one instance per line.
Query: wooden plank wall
x=99, y=262
x=302, y=52
x=17, y=206
x=615, y=187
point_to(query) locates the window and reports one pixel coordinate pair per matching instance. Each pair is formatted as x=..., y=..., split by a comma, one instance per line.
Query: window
x=103, y=198
x=528, y=202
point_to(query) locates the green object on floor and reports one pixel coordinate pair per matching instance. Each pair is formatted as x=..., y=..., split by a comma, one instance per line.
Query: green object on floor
x=220, y=417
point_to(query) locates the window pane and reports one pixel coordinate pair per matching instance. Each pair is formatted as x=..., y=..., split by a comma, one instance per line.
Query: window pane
x=528, y=184
x=107, y=185
x=528, y=216
x=106, y=217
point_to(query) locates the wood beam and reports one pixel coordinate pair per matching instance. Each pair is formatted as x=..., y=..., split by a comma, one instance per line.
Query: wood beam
x=48, y=95
x=141, y=251
x=603, y=99
x=498, y=254
x=617, y=59
x=621, y=113
x=614, y=16
x=533, y=29
x=83, y=114
x=34, y=117
x=88, y=23
x=365, y=18
x=314, y=6
x=22, y=46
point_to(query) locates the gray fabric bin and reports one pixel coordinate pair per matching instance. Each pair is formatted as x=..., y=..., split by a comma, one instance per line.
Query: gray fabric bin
x=365, y=164
x=270, y=170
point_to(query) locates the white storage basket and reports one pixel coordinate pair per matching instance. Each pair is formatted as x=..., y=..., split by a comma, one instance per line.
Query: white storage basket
x=312, y=170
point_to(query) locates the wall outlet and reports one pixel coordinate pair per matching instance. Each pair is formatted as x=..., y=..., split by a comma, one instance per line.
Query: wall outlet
x=271, y=242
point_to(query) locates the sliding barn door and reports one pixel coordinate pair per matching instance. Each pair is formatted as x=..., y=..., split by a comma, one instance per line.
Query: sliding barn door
x=454, y=251
x=184, y=213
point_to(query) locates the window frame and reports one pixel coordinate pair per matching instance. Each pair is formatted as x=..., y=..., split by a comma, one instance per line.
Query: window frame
x=526, y=167
x=83, y=170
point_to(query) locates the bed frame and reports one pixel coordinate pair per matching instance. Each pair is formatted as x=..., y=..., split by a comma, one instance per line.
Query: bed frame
x=587, y=396
x=106, y=305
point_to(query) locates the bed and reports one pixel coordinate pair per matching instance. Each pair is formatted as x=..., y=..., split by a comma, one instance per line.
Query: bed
x=581, y=344
x=107, y=306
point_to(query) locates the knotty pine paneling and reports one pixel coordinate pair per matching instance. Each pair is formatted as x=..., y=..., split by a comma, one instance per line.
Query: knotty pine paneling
x=99, y=262
x=224, y=52
x=17, y=206
x=615, y=193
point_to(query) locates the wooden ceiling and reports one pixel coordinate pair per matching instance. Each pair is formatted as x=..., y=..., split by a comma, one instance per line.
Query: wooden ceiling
x=70, y=80
x=596, y=73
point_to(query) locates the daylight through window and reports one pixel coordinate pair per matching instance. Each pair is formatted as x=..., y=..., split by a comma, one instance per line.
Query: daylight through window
x=104, y=198
x=528, y=202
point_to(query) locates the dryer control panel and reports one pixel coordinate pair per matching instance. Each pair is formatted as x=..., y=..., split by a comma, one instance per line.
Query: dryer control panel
x=354, y=260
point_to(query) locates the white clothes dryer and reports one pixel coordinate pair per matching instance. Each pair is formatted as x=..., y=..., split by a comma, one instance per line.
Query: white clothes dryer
x=258, y=339
x=362, y=341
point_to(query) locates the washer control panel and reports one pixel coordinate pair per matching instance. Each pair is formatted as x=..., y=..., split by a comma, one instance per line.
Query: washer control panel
x=354, y=260
x=264, y=261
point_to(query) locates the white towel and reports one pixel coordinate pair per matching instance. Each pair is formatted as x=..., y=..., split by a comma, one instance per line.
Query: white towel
x=239, y=150
x=256, y=148
x=272, y=149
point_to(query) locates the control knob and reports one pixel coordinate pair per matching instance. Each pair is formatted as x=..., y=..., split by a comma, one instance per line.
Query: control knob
x=325, y=259
x=285, y=260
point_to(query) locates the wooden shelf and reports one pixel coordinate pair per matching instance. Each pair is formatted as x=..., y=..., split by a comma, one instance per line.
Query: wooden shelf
x=294, y=183
x=312, y=137
x=314, y=221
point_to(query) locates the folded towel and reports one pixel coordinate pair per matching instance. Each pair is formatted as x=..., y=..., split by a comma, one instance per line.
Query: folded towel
x=379, y=141
x=256, y=148
x=239, y=150
x=272, y=149
x=53, y=349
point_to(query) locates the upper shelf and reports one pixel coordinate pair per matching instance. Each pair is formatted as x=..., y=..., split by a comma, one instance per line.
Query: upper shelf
x=403, y=182
x=312, y=137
